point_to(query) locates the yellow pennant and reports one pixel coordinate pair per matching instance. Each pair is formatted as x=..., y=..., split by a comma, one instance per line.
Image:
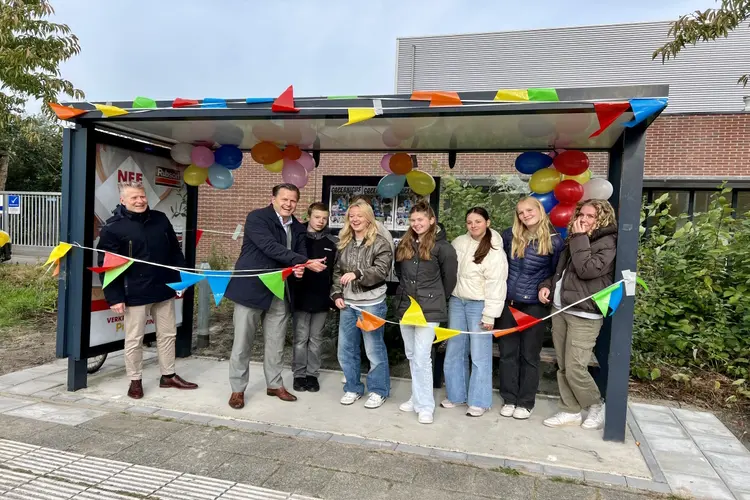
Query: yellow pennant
x=109, y=111
x=357, y=115
x=58, y=252
x=4, y=238
x=444, y=333
x=512, y=95
x=414, y=315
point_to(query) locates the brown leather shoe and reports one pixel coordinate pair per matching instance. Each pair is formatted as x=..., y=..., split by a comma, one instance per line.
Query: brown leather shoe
x=282, y=394
x=237, y=400
x=136, y=389
x=177, y=382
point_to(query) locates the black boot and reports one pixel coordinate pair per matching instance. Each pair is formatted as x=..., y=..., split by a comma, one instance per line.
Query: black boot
x=312, y=384
x=300, y=384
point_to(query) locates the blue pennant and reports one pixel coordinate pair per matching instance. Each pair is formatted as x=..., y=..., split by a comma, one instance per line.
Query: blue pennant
x=259, y=100
x=213, y=102
x=186, y=280
x=614, y=299
x=643, y=109
x=218, y=281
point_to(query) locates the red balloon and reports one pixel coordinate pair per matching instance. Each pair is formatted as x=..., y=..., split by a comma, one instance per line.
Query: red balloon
x=561, y=214
x=571, y=162
x=569, y=192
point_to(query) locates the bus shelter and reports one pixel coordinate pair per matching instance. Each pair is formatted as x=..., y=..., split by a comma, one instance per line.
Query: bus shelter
x=601, y=119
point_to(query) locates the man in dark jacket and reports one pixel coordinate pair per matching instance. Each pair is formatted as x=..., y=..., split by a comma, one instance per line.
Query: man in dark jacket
x=141, y=233
x=312, y=302
x=274, y=239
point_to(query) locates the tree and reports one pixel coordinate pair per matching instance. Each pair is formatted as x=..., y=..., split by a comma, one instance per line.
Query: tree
x=31, y=51
x=705, y=26
x=35, y=159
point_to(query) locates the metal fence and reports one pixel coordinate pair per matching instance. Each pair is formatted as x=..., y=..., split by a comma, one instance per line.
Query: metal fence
x=31, y=218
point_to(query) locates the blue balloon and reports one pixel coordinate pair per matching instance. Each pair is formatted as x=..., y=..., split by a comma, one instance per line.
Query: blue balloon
x=562, y=231
x=390, y=185
x=531, y=161
x=547, y=200
x=228, y=156
x=220, y=177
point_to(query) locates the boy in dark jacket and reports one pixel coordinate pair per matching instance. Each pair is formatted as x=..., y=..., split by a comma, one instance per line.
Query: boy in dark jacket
x=312, y=301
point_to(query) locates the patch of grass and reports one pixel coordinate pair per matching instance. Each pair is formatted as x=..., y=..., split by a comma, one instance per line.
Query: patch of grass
x=566, y=480
x=27, y=294
x=508, y=471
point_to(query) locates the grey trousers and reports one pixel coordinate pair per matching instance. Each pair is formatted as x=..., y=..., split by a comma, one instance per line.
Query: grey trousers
x=246, y=322
x=308, y=341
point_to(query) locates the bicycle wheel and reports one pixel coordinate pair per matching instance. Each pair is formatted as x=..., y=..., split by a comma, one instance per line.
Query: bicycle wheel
x=95, y=363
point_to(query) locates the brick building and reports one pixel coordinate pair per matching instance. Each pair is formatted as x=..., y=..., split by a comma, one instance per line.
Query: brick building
x=701, y=140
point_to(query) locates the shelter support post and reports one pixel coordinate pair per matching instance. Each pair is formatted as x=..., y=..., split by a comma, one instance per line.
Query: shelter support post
x=626, y=166
x=184, y=341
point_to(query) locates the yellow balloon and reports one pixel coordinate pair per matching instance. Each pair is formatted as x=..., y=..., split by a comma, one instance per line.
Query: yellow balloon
x=275, y=167
x=544, y=180
x=4, y=238
x=580, y=178
x=420, y=182
x=195, y=176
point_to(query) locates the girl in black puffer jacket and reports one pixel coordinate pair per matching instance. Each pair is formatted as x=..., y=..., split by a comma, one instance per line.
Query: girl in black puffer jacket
x=533, y=252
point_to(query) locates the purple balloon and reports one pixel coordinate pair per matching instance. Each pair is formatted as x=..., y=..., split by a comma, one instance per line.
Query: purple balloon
x=202, y=157
x=307, y=161
x=385, y=163
x=294, y=173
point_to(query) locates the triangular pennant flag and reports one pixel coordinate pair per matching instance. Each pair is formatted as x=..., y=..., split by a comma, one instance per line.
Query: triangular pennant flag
x=607, y=113
x=445, y=99
x=369, y=322
x=547, y=95
x=601, y=298
x=183, y=103
x=422, y=95
x=615, y=298
x=213, y=102
x=523, y=320
x=414, y=315
x=110, y=275
x=109, y=111
x=285, y=273
x=58, y=252
x=66, y=112
x=57, y=268
x=341, y=97
x=186, y=280
x=111, y=261
x=274, y=282
x=357, y=115
x=444, y=333
x=507, y=331
x=144, y=103
x=643, y=109
x=285, y=102
x=198, y=235
x=258, y=100
x=512, y=95
x=218, y=281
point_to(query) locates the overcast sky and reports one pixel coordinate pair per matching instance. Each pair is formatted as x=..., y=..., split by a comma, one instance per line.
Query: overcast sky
x=241, y=48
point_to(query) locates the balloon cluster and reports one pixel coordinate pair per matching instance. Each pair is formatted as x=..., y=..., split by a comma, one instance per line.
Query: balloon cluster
x=293, y=163
x=560, y=180
x=400, y=169
x=204, y=165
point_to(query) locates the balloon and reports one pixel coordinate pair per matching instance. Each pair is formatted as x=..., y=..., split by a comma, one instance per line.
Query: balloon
x=597, y=189
x=194, y=175
x=390, y=139
x=391, y=185
x=402, y=130
x=544, y=180
x=181, y=153
x=420, y=182
x=560, y=215
x=547, y=200
x=531, y=161
x=4, y=238
x=562, y=231
x=400, y=164
x=275, y=167
x=580, y=178
x=229, y=156
x=266, y=153
x=202, y=157
x=220, y=177
x=307, y=161
x=292, y=152
x=571, y=162
x=568, y=192
x=294, y=173
x=385, y=163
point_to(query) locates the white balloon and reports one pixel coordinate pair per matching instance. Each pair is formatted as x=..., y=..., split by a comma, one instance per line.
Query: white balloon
x=181, y=153
x=597, y=189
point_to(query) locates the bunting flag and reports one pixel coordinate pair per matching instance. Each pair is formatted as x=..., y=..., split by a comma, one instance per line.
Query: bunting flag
x=259, y=100
x=198, y=235
x=144, y=103
x=112, y=274
x=607, y=113
x=184, y=103
x=218, y=281
x=285, y=102
x=445, y=99
x=288, y=272
x=341, y=97
x=213, y=102
x=111, y=261
x=536, y=95
x=422, y=95
x=507, y=331
x=512, y=95
x=644, y=109
x=58, y=252
x=442, y=334
x=56, y=272
x=237, y=232
x=110, y=111
x=274, y=282
x=357, y=115
x=414, y=315
x=609, y=298
x=369, y=322
x=4, y=238
x=66, y=112
x=187, y=280
x=543, y=95
x=522, y=319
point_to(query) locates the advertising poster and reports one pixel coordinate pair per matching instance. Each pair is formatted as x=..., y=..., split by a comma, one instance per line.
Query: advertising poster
x=166, y=193
x=383, y=207
x=404, y=202
x=339, y=204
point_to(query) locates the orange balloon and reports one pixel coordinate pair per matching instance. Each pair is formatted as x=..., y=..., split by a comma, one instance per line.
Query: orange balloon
x=266, y=153
x=400, y=164
x=292, y=152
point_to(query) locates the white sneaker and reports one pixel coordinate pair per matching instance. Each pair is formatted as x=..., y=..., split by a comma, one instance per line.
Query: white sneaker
x=407, y=406
x=374, y=401
x=562, y=419
x=521, y=413
x=595, y=418
x=425, y=417
x=446, y=403
x=350, y=397
x=475, y=411
x=507, y=410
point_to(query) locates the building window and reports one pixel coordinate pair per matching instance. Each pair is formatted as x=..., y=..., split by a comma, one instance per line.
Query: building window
x=694, y=201
x=742, y=203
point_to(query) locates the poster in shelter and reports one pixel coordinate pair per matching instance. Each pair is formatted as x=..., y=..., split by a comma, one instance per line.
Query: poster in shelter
x=405, y=200
x=340, y=197
x=382, y=207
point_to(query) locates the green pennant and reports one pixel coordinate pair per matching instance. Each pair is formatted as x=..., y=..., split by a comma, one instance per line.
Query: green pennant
x=641, y=282
x=109, y=276
x=274, y=282
x=548, y=95
x=144, y=103
x=601, y=298
x=341, y=97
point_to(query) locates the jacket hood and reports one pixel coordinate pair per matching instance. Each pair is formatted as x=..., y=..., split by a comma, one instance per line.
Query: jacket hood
x=440, y=235
x=603, y=231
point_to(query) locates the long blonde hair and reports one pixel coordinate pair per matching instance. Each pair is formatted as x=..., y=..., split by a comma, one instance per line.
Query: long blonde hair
x=405, y=249
x=347, y=233
x=522, y=236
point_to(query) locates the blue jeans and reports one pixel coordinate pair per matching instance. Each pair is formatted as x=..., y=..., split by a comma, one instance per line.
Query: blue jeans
x=418, y=346
x=466, y=315
x=378, y=378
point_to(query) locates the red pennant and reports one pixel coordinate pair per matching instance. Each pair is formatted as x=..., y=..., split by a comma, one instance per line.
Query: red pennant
x=523, y=320
x=111, y=261
x=445, y=99
x=607, y=113
x=182, y=103
x=286, y=273
x=285, y=102
x=65, y=112
x=198, y=234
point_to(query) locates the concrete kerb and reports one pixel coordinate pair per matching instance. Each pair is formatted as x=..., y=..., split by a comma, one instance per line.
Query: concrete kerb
x=648, y=455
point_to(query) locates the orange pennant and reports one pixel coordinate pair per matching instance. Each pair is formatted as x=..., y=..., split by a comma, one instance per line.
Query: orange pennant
x=445, y=99
x=57, y=268
x=422, y=95
x=369, y=322
x=66, y=112
x=500, y=333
